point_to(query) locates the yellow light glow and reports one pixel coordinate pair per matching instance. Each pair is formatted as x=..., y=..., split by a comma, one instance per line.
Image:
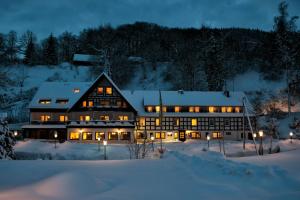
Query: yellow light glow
x=177, y=109
x=194, y=122
x=157, y=109
x=211, y=109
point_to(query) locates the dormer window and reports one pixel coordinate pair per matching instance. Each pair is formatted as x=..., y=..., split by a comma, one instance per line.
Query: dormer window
x=177, y=109
x=44, y=101
x=100, y=90
x=76, y=90
x=84, y=104
x=62, y=101
x=149, y=109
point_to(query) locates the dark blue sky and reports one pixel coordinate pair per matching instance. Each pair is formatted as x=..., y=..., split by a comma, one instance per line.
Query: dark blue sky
x=45, y=16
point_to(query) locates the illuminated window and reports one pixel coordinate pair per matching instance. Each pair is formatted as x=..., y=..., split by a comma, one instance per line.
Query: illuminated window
x=194, y=122
x=159, y=135
x=237, y=109
x=191, y=109
x=113, y=136
x=44, y=101
x=157, y=122
x=197, y=109
x=101, y=135
x=76, y=90
x=124, y=136
x=216, y=135
x=63, y=118
x=104, y=117
x=211, y=109
x=150, y=109
x=157, y=109
x=195, y=135
x=164, y=109
x=85, y=118
x=229, y=109
x=108, y=91
x=175, y=135
x=223, y=109
x=177, y=109
x=74, y=136
x=87, y=136
x=123, y=117
x=176, y=121
x=142, y=121
x=45, y=118
x=62, y=101
x=100, y=90
x=84, y=104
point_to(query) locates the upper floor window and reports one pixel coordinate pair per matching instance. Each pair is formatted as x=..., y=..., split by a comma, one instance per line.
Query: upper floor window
x=157, y=109
x=191, y=109
x=100, y=90
x=211, y=109
x=229, y=109
x=45, y=118
x=84, y=104
x=157, y=122
x=123, y=117
x=62, y=101
x=45, y=101
x=142, y=121
x=149, y=109
x=176, y=121
x=63, y=118
x=164, y=109
x=104, y=117
x=119, y=103
x=194, y=122
x=85, y=118
x=177, y=109
x=197, y=109
x=237, y=109
x=108, y=90
x=91, y=103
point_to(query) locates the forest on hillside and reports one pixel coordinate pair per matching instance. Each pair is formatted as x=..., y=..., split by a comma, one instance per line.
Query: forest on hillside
x=201, y=58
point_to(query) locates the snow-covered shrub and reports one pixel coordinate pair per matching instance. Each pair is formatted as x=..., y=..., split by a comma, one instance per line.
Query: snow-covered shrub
x=7, y=142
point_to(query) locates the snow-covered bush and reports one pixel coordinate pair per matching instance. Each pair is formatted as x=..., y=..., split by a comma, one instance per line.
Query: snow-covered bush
x=7, y=142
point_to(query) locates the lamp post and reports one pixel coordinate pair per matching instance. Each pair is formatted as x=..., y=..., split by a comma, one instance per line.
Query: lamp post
x=55, y=137
x=98, y=142
x=291, y=137
x=261, y=149
x=152, y=140
x=105, y=144
x=208, y=138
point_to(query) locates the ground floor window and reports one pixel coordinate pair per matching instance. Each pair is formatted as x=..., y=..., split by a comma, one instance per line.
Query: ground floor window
x=101, y=135
x=141, y=135
x=113, y=136
x=175, y=135
x=195, y=135
x=74, y=136
x=125, y=136
x=87, y=136
x=217, y=135
x=160, y=135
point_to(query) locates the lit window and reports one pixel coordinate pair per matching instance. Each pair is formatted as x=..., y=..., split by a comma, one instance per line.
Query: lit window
x=45, y=118
x=142, y=121
x=177, y=109
x=150, y=109
x=104, y=117
x=100, y=135
x=229, y=109
x=123, y=117
x=164, y=108
x=91, y=103
x=194, y=122
x=74, y=136
x=84, y=104
x=157, y=109
x=108, y=91
x=100, y=90
x=45, y=101
x=157, y=122
x=159, y=135
x=175, y=135
x=211, y=109
x=87, y=136
x=197, y=109
x=223, y=109
x=191, y=109
x=217, y=135
x=85, y=118
x=237, y=109
x=63, y=118
x=113, y=136
x=176, y=121
x=76, y=90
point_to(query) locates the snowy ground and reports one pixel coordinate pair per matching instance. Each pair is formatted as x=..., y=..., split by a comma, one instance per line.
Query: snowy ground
x=185, y=172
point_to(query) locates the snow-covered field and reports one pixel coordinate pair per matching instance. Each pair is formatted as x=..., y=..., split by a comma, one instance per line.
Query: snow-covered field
x=185, y=172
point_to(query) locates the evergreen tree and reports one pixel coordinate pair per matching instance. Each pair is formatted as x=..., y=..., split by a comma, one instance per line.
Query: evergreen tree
x=67, y=46
x=3, y=57
x=50, y=51
x=214, y=60
x=30, y=54
x=7, y=142
x=12, y=48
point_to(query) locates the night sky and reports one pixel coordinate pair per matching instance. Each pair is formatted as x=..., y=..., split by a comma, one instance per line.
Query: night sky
x=44, y=17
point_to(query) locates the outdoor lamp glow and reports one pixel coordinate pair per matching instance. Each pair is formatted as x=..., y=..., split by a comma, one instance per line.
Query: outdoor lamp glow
x=55, y=135
x=208, y=137
x=254, y=135
x=99, y=139
x=261, y=133
x=15, y=133
x=104, y=142
x=152, y=138
x=291, y=134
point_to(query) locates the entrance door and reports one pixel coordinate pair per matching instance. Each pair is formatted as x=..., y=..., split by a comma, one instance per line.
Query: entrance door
x=182, y=137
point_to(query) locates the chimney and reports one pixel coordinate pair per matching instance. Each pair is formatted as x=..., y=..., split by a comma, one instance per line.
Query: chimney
x=180, y=91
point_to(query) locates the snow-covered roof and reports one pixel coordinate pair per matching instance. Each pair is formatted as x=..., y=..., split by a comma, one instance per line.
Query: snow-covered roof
x=86, y=58
x=54, y=91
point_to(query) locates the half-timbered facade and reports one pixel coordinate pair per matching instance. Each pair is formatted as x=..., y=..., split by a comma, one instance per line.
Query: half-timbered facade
x=88, y=111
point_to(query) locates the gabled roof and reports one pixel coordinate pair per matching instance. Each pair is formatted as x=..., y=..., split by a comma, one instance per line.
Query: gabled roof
x=103, y=74
x=58, y=90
